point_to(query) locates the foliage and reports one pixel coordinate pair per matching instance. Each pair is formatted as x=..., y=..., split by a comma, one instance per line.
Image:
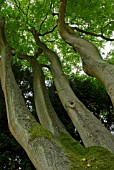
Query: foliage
x=21, y=16
x=85, y=14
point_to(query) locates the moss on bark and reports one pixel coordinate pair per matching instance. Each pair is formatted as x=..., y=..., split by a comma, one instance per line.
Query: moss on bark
x=81, y=158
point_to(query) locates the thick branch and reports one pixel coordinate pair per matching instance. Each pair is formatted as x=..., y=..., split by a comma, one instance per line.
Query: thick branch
x=45, y=111
x=45, y=49
x=42, y=148
x=61, y=19
x=81, y=117
x=61, y=24
x=62, y=9
x=93, y=63
x=2, y=34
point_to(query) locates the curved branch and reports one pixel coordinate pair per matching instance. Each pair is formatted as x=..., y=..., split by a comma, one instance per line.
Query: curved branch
x=62, y=9
x=61, y=19
x=75, y=109
x=62, y=26
x=93, y=64
x=43, y=22
x=2, y=34
x=3, y=41
x=48, y=32
x=93, y=34
x=45, y=111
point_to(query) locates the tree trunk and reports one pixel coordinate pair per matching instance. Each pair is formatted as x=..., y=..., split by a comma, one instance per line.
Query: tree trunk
x=43, y=149
x=93, y=63
x=45, y=111
x=91, y=130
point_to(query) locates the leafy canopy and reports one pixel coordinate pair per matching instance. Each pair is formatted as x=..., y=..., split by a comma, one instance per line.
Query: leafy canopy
x=22, y=15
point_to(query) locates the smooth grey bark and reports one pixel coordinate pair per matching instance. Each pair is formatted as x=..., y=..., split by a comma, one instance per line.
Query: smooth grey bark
x=43, y=149
x=45, y=111
x=91, y=130
x=93, y=64
x=45, y=152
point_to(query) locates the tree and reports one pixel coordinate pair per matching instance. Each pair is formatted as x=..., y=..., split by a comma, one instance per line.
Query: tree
x=26, y=36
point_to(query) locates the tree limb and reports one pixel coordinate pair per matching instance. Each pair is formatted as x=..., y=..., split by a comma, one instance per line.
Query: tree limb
x=80, y=116
x=62, y=9
x=19, y=7
x=43, y=22
x=48, y=32
x=93, y=34
x=62, y=25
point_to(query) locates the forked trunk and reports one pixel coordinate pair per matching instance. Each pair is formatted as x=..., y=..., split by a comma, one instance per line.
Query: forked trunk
x=91, y=130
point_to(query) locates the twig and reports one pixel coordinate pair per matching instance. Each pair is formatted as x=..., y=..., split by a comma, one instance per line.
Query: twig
x=48, y=32
x=19, y=7
x=43, y=22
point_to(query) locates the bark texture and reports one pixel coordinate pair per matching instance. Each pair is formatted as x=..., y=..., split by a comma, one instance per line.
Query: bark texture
x=91, y=130
x=93, y=64
x=41, y=146
x=47, y=151
x=45, y=111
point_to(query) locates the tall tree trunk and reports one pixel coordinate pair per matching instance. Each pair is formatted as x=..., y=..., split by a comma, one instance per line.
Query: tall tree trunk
x=45, y=111
x=91, y=130
x=43, y=149
x=93, y=63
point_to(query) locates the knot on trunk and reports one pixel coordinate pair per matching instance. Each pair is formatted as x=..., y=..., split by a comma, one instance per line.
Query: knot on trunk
x=71, y=104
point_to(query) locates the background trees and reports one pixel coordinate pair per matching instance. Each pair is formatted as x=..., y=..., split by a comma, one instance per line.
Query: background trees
x=33, y=24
